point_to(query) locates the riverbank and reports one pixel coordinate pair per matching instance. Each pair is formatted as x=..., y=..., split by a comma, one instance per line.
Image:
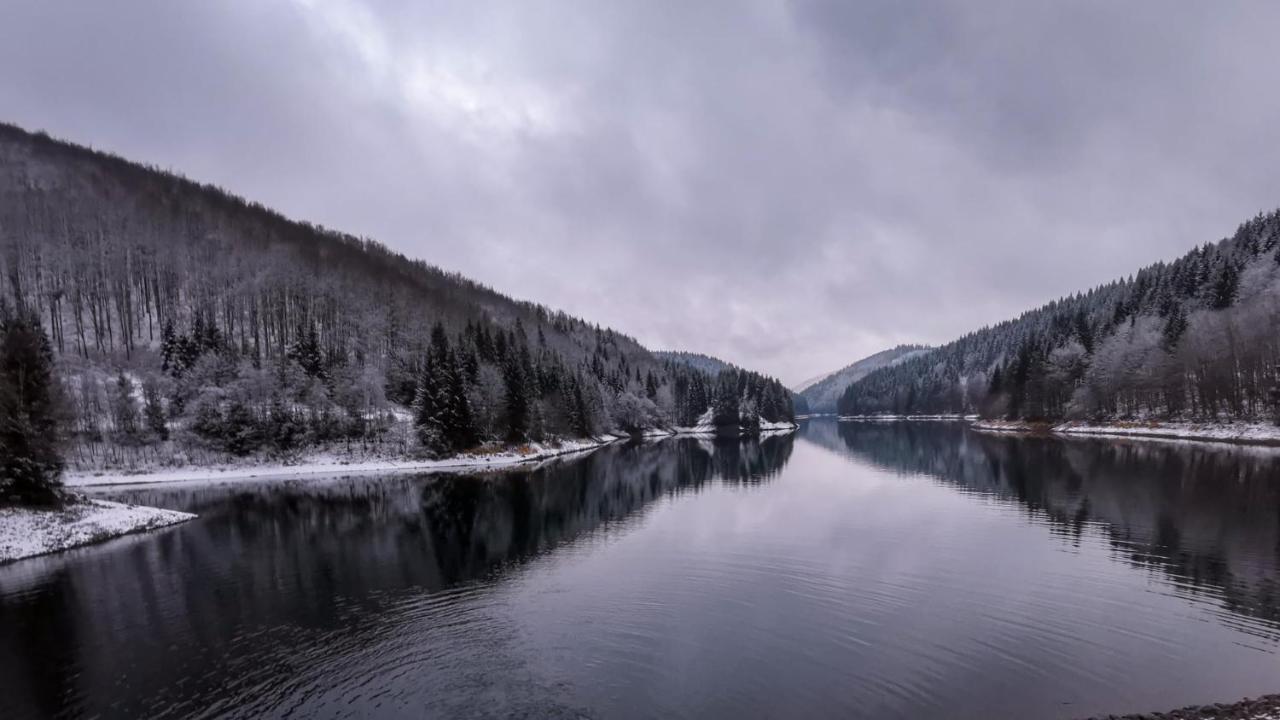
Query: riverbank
x=328, y=464
x=28, y=532
x=903, y=418
x=1249, y=433
x=1263, y=708
x=766, y=429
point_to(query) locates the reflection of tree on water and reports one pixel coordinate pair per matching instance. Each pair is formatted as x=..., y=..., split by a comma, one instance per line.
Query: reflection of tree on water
x=1208, y=516
x=747, y=462
x=479, y=523
x=317, y=561
x=435, y=531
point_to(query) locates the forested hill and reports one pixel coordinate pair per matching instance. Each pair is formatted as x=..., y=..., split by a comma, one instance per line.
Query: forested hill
x=777, y=399
x=1195, y=338
x=822, y=395
x=177, y=309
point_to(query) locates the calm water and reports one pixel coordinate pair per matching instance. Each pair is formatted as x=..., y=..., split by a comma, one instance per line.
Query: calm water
x=853, y=570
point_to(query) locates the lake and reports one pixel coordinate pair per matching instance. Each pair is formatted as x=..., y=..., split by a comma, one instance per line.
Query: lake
x=849, y=570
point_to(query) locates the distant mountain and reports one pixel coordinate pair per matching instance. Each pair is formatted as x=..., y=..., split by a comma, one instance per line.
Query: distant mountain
x=188, y=321
x=801, y=387
x=822, y=393
x=1197, y=338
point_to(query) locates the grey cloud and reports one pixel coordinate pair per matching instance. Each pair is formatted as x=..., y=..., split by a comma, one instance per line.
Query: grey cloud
x=789, y=185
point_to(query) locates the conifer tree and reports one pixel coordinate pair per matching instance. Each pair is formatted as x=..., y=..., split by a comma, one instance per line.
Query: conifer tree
x=168, y=347
x=283, y=430
x=208, y=338
x=725, y=399
x=240, y=432
x=124, y=408
x=306, y=352
x=517, y=400
x=153, y=410
x=576, y=410
x=1225, y=286
x=460, y=427
x=30, y=461
x=1174, y=327
x=207, y=422
x=429, y=421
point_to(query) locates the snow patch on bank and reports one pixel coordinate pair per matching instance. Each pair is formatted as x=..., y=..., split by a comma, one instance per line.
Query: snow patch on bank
x=705, y=425
x=27, y=532
x=1014, y=426
x=902, y=418
x=1234, y=432
x=322, y=464
x=1254, y=433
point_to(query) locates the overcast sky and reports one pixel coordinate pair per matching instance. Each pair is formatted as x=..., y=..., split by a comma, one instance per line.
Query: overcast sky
x=787, y=185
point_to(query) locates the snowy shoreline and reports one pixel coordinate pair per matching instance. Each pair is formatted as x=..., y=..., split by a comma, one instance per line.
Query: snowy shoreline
x=333, y=464
x=328, y=464
x=1240, y=433
x=903, y=418
x=28, y=532
x=766, y=429
x=705, y=425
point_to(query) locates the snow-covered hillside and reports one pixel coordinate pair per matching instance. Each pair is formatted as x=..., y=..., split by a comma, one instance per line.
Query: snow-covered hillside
x=822, y=392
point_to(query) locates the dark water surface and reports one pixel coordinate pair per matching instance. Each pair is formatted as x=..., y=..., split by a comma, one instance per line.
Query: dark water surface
x=852, y=570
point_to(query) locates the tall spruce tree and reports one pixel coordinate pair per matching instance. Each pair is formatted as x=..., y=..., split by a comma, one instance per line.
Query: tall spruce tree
x=306, y=352
x=30, y=461
x=460, y=426
x=1225, y=286
x=725, y=399
x=517, y=399
x=428, y=415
